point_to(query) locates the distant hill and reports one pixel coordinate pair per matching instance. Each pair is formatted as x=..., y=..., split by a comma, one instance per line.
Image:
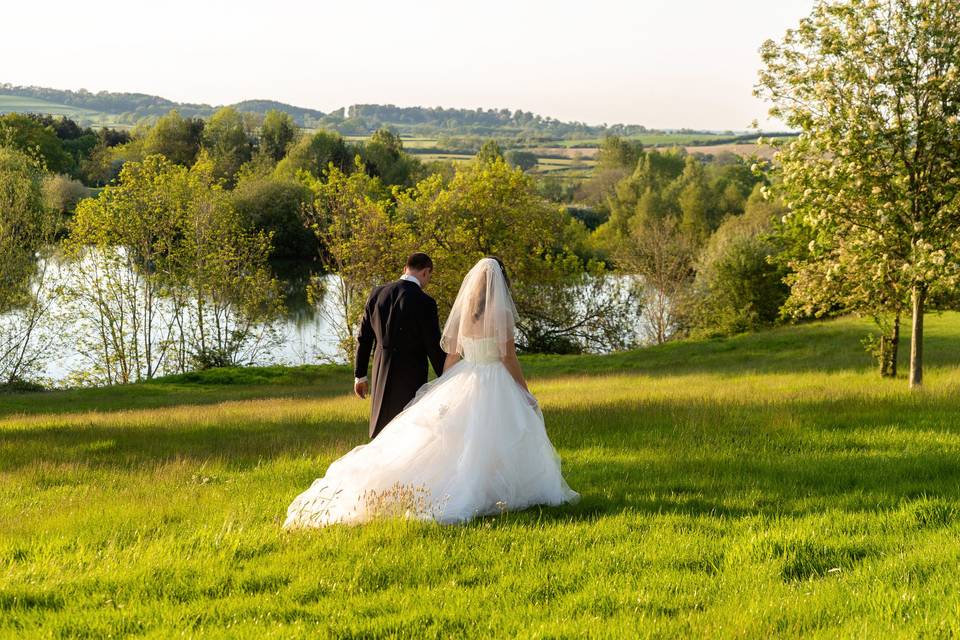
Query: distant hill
x=300, y=114
x=106, y=108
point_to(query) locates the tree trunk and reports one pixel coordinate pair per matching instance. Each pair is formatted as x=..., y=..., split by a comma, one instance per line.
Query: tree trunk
x=895, y=345
x=916, y=338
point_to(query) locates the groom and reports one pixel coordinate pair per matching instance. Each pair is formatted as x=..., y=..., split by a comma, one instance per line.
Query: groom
x=403, y=322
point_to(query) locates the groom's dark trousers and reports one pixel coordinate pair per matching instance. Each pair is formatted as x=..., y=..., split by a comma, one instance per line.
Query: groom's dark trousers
x=401, y=327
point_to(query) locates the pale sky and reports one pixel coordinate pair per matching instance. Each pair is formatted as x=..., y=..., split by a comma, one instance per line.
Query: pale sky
x=660, y=63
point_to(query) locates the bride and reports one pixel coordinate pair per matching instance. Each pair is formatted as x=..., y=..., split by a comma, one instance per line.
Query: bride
x=471, y=443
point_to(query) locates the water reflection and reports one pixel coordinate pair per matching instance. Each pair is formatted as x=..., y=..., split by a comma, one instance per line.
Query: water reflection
x=305, y=334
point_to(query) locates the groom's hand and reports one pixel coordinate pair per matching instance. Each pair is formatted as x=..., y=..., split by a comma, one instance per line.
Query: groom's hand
x=361, y=388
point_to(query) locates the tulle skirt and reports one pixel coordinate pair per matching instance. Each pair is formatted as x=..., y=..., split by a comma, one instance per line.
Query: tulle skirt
x=471, y=443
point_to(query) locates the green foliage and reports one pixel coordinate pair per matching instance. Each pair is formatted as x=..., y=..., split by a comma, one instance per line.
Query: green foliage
x=738, y=286
x=661, y=254
x=648, y=190
x=314, y=154
x=24, y=224
x=165, y=277
x=19, y=385
x=875, y=175
x=491, y=208
x=490, y=152
x=27, y=230
x=62, y=193
x=175, y=138
x=360, y=241
x=384, y=158
x=695, y=191
x=523, y=160
x=277, y=133
x=274, y=206
x=226, y=141
x=616, y=153
x=31, y=136
x=693, y=200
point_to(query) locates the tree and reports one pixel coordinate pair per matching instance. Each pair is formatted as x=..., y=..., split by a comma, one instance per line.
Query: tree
x=277, y=133
x=650, y=191
x=165, y=278
x=27, y=229
x=315, y=154
x=491, y=208
x=694, y=200
x=360, y=243
x=273, y=206
x=30, y=136
x=225, y=139
x=614, y=152
x=523, y=160
x=62, y=193
x=175, y=138
x=828, y=275
x=224, y=293
x=119, y=246
x=383, y=157
x=490, y=152
x=874, y=88
x=22, y=220
x=662, y=255
x=738, y=285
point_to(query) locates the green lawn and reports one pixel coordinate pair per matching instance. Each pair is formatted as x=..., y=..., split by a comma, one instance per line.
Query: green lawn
x=764, y=485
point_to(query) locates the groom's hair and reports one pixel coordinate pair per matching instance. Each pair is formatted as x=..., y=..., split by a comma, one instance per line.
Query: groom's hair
x=419, y=262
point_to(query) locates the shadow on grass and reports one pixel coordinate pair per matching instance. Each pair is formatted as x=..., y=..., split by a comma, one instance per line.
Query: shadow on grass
x=201, y=388
x=823, y=347
x=717, y=458
x=122, y=447
x=734, y=459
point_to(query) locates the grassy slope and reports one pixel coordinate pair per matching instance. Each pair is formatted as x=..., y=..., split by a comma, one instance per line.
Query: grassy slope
x=23, y=104
x=763, y=485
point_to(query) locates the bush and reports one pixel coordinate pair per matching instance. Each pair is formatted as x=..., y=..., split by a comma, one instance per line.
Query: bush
x=19, y=385
x=737, y=287
x=272, y=205
x=62, y=193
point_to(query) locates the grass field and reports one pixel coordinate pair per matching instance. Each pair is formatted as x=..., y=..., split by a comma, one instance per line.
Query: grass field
x=745, y=150
x=763, y=485
x=23, y=104
x=652, y=139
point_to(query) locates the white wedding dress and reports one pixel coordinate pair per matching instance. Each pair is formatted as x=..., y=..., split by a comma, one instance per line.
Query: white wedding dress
x=471, y=443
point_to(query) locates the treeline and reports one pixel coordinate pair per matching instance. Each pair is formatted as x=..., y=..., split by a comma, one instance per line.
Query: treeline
x=692, y=228
x=485, y=123
x=133, y=106
x=361, y=119
x=699, y=232
x=173, y=263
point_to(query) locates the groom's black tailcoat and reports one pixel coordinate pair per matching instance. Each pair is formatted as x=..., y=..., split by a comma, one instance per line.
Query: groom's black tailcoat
x=401, y=321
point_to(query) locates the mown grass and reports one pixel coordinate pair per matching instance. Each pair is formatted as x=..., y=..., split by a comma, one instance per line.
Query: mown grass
x=764, y=485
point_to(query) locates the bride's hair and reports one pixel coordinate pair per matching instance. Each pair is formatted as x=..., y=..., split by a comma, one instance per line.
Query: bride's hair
x=484, y=308
x=480, y=293
x=503, y=269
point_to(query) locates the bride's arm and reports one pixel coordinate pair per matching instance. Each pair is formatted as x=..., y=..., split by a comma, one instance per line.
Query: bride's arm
x=510, y=361
x=452, y=359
